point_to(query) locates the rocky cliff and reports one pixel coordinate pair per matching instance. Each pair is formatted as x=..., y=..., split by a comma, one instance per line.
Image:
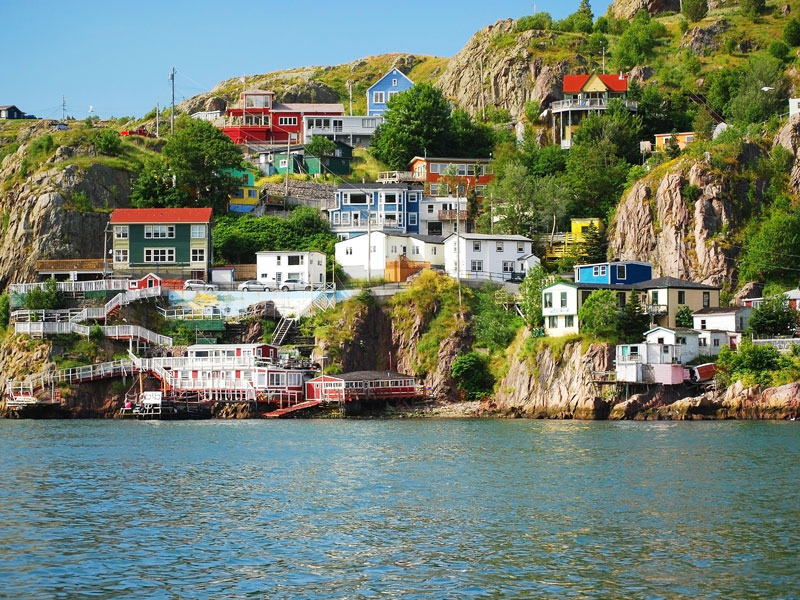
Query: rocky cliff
x=626, y=9
x=57, y=211
x=545, y=384
x=677, y=219
x=505, y=70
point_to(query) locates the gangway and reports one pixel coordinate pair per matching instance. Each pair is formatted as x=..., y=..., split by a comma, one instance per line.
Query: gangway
x=280, y=412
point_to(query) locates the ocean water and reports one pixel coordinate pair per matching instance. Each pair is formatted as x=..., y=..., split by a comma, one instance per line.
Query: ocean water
x=399, y=509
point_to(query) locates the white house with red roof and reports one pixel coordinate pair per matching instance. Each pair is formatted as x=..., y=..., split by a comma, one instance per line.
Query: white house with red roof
x=170, y=242
x=584, y=94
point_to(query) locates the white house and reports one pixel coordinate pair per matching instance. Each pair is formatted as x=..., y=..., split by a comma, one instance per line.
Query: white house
x=660, y=359
x=560, y=309
x=488, y=256
x=351, y=253
x=439, y=216
x=273, y=267
x=732, y=320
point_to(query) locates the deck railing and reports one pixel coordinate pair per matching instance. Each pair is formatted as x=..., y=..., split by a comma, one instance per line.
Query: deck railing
x=591, y=103
x=73, y=286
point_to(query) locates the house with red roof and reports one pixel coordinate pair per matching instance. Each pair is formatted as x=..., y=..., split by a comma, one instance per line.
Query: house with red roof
x=584, y=94
x=170, y=242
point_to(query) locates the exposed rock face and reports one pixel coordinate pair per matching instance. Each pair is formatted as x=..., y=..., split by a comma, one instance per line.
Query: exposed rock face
x=679, y=239
x=640, y=74
x=311, y=91
x=626, y=9
x=405, y=63
x=702, y=40
x=319, y=195
x=45, y=219
x=544, y=387
x=482, y=74
x=216, y=103
x=789, y=138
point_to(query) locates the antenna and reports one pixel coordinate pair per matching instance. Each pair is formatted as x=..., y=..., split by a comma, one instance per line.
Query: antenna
x=172, y=110
x=63, y=108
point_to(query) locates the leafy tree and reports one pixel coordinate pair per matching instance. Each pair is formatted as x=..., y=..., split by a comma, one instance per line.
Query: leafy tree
x=599, y=315
x=770, y=245
x=197, y=154
x=153, y=188
x=513, y=194
x=791, y=33
x=472, y=375
x=541, y=21
x=683, y=318
x=595, y=245
x=320, y=146
x=779, y=50
x=417, y=120
x=47, y=298
x=634, y=321
x=636, y=44
x=752, y=8
x=5, y=309
x=721, y=86
x=773, y=317
x=601, y=25
x=492, y=325
x=595, y=43
x=694, y=10
x=530, y=291
x=107, y=141
x=752, y=102
x=469, y=137
x=596, y=175
x=549, y=160
x=617, y=125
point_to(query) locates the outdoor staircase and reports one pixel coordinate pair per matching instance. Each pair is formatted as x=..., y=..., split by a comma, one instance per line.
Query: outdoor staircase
x=282, y=331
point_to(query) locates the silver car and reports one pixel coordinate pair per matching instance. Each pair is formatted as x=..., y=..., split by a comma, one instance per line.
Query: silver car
x=292, y=285
x=199, y=284
x=254, y=285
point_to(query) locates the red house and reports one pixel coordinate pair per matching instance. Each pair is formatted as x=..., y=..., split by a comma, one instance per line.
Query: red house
x=258, y=119
x=472, y=173
x=362, y=385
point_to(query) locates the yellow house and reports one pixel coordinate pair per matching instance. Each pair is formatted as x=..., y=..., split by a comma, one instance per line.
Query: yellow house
x=684, y=139
x=561, y=244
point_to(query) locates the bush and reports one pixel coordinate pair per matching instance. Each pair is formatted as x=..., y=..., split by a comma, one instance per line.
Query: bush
x=472, y=375
x=791, y=33
x=46, y=298
x=541, y=21
x=5, y=309
x=752, y=8
x=683, y=25
x=96, y=334
x=108, y=142
x=779, y=50
x=730, y=44
x=694, y=10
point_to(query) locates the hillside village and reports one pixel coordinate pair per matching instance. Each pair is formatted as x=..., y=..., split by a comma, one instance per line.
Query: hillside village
x=620, y=242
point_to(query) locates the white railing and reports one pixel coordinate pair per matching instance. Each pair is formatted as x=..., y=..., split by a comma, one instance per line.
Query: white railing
x=117, y=332
x=28, y=386
x=395, y=176
x=73, y=286
x=206, y=313
x=595, y=103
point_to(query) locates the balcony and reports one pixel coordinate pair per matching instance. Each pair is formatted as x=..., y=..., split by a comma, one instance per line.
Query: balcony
x=590, y=104
x=657, y=309
x=452, y=215
x=395, y=176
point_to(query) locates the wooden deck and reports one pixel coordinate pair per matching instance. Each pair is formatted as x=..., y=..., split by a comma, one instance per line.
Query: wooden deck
x=277, y=414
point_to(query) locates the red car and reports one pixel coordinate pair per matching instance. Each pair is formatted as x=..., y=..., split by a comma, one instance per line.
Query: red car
x=140, y=131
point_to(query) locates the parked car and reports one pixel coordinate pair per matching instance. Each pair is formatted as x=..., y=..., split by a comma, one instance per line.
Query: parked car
x=254, y=285
x=291, y=285
x=516, y=278
x=199, y=284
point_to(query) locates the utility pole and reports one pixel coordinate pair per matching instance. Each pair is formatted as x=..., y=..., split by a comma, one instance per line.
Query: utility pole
x=286, y=181
x=458, y=250
x=63, y=109
x=369, y=238
x=157, y=115
x=604, y=60
x=350, y=87
x=172, y=110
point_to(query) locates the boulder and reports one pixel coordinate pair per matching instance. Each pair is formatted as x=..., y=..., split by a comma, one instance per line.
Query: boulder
x=216, y=103
x=702, y=40
x=626, y=9
x=640, y=74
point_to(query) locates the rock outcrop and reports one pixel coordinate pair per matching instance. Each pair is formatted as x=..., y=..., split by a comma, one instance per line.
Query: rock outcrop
x=626, y=9
x=789, y=138
x=549, y=386
x=702, y=40
x=677, y=227
x=483, y=74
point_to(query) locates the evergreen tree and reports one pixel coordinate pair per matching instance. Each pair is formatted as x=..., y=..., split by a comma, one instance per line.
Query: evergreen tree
x=530, y=291
x=634, y=321
x=752, y=8
x=694, y=10
x=773, y=317
x=595, y=245
x=671, y=147
x=599, y=315
x=791, y=33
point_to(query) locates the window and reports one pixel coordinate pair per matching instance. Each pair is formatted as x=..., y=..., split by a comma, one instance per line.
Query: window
x=681, y=341
x=336, y=218
x=654, y=297
x=348, y=251
x=345, y=218
x=369, y=123
x=414, y=249
x=476, y=246
x=287, y=120
x=716, y=342
x=599, y=270
x=120, y=232
x=660, y=340
x=412, y=218
x=621, y=299
x=706, y=299
x=121, y=255
x=412, y=197
x=394, y=82
x=476, y=265
x=520, y=247
x=199, y=231
x=391, y=94
x=621, y=272
x=278, y=260
x=430, y=209
x=159, y=255
x=434, y=189
x=563, y=299
x=548, y=300
x=198, y=255
x=238, y=193
x=569, y=321
x=508, y=266
x=552, y=321
x=283, y=163
x=355, y=199
x=295, y=259
x=394, y=249
x=378, y=98
x=499, y=246
x=702, y=323
x=703, y=343
x=388, y=198
x=159, y=231
x=252, y=193
x=277, y=379
x=681, y=297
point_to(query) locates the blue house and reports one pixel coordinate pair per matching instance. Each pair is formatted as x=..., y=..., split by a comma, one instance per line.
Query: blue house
x=612, y=273
x=380, y=92
x=390, y=207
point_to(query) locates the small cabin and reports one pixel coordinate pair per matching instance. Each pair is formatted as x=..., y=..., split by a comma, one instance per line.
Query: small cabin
x=362, y=385
x=230, y=353
x=148, y=281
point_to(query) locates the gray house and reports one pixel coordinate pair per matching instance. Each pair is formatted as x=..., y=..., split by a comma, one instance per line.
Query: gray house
x=11, y=112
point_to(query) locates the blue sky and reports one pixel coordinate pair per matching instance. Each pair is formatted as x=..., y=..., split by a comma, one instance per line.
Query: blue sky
x=116, y=56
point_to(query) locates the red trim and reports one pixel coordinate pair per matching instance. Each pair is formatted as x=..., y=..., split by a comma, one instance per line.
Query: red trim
x=161, y=215
x=573, y=84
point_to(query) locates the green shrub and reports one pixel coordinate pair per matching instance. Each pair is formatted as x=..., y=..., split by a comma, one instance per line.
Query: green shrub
x=752, y=8
x=694, y=10
x=5, y=309
x=96, y=334
x=791, y=33
x=46, y=298
x=730, y=44
x=108, y=142
x=541, y=21
x=683, y=25
x=471, y=372
x=779, y=50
